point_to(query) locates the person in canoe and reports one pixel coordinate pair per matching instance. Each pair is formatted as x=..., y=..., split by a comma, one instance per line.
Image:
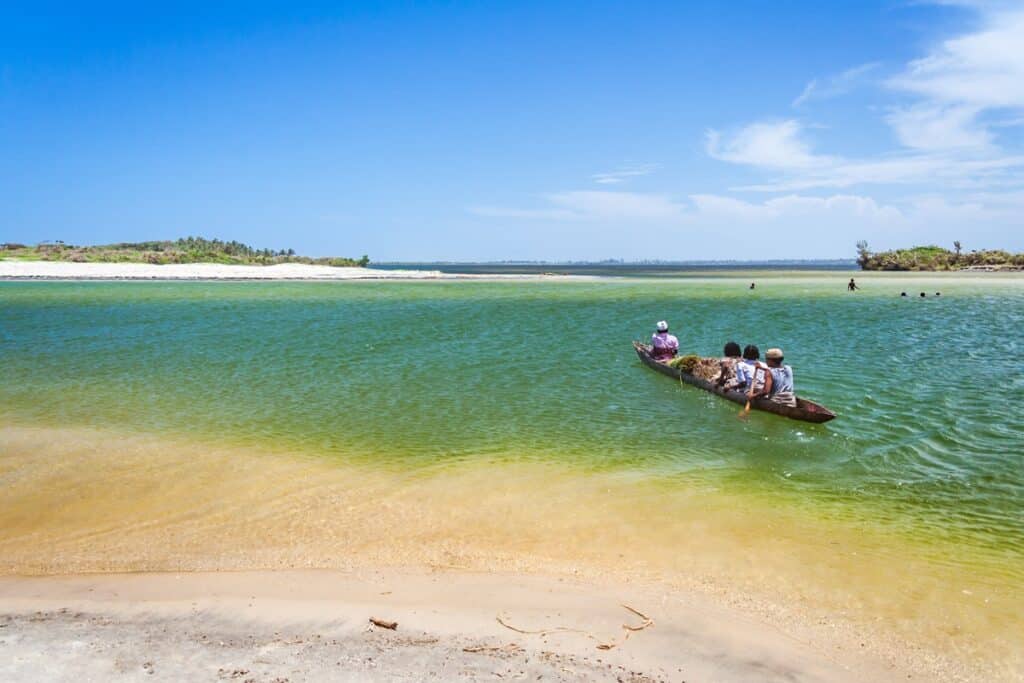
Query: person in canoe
x=664, y=346
x=782, y=378
x=728, y=376
x=757, y=380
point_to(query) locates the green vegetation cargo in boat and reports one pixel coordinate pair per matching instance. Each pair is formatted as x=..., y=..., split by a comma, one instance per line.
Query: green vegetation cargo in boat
x=696, y=371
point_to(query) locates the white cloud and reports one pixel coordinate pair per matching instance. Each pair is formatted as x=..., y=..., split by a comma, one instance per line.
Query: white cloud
x=592, y=205
x=506, y=212
x=964, y=90
x=623, y=174
x=947, y=171
x=836, y=85
x=794, y=225
x=631, y=207
x=777, y=145
x=984, y=69
x=613, y=205
x=962, y=79
x=802, y=224
x=780, y=147
x=939, y=127
x=795, y=206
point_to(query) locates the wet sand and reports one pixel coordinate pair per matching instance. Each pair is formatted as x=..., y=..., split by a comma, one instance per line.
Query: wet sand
x=96, y=501
x=314, y=625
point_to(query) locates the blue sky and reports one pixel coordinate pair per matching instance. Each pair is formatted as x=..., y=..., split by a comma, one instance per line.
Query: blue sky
x=516, y=130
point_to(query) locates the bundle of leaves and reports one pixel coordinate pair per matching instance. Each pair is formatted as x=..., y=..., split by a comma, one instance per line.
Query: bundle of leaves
x=685, y=363
x=707, y=368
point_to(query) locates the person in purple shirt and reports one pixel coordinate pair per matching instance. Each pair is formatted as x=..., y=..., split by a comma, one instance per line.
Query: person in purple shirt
x=664, y=346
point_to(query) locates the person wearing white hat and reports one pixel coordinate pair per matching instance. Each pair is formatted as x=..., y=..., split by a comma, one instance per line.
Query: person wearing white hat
x=664, y=346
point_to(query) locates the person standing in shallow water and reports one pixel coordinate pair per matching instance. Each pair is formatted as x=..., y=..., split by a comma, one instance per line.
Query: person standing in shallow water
x=664, y=346
x=852, y=286
x=751, y=285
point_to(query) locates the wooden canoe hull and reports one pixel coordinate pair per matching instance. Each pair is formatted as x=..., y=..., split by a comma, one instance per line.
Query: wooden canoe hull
x=807, y=411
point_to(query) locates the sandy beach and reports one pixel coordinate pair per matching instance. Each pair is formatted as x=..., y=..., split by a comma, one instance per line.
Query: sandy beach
x=63, y=270
x=314, y=625
x=295, y=555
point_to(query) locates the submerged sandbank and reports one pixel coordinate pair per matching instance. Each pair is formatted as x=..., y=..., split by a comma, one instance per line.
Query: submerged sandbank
x=78, y=500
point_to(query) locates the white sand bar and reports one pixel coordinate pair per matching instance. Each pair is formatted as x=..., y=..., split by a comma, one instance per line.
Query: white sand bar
x=64, y=270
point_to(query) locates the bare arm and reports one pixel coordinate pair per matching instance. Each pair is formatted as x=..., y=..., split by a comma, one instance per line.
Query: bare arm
x=766, y=390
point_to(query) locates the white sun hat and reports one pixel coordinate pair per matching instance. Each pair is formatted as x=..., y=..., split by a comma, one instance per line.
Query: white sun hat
x=662, y=326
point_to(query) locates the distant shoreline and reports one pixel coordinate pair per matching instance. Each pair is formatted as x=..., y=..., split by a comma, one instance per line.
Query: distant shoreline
x=65, y=270
x=25, y=270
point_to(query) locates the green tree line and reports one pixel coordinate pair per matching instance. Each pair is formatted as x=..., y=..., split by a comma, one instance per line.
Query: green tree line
x=183, y=250
x=935, y=258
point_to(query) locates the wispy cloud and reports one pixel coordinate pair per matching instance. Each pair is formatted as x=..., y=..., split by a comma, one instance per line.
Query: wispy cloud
x=624, y=173
x=834, y=86
x=794, y=225
x=948, y=170
x=962, y=93
x=982, y=69
x=961, y=80
x=775, y=144
x=592, y=205
x=633, y=207
x=931, y=126
x=528, y=214
x=939, y=138
x=791, y=206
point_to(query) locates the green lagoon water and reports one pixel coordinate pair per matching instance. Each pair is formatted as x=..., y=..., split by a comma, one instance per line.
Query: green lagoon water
x=929, y=441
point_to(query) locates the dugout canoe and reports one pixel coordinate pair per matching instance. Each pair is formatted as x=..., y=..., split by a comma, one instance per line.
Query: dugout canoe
x=805, y=410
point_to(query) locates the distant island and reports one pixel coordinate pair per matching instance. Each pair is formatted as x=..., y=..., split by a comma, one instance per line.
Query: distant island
x=184, y=250
x=936, y=258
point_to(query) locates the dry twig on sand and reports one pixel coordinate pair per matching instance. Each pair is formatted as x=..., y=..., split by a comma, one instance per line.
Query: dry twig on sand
x=601, y=645
x=511, y=647
x=384, y=624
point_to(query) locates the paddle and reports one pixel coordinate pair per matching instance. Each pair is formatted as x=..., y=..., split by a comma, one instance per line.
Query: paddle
x=745, y=413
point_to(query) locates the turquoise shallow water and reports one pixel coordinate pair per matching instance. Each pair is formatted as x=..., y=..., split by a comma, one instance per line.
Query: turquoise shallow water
x=930, y=396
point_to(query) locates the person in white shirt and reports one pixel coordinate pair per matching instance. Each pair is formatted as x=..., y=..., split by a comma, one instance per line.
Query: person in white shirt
x=759, y=378
x=664, y=346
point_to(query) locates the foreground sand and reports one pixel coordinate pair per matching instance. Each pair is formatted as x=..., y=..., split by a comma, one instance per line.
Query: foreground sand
x=314, y=625
x=60, y=270
x=122, y=509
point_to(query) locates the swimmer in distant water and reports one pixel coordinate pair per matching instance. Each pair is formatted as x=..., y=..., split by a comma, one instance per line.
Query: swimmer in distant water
x=938, y=293
x=922, y=295
x=903, y=293
x=751, y=285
